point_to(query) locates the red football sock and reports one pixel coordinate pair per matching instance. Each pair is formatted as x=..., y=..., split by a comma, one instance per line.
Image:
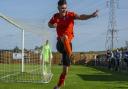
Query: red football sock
x=61, y=80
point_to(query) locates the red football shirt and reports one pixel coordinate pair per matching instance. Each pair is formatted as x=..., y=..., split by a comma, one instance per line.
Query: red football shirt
x=64, y=24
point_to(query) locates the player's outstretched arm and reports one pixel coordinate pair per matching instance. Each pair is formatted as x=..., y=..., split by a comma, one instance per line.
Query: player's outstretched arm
x=86, y=17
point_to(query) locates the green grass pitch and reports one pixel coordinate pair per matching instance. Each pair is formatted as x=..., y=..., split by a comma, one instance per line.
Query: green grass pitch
x=79, y=77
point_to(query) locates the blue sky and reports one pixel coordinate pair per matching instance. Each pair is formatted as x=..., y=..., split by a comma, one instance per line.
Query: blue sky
x=89, y=35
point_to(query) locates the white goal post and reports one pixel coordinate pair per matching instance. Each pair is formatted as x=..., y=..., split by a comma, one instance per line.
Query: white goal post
x=22, y=65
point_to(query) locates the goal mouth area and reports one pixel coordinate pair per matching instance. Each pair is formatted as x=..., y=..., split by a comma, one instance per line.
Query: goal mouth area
x=20, y=50
x=26, y=77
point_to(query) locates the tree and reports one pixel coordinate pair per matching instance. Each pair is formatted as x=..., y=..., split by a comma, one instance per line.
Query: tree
x=16, y=49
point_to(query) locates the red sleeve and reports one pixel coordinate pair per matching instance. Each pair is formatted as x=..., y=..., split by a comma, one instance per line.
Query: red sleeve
x=53, y=20
x=73, y=15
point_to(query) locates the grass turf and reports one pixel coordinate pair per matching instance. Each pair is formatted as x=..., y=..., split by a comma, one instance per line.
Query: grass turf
x=79, y=77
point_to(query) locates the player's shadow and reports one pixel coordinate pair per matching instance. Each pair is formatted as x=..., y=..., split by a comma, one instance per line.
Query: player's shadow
x=102, y=77
x=106, y=75
x=123, y=87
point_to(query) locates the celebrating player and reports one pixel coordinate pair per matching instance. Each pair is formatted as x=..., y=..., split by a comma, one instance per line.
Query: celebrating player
x=63, y=21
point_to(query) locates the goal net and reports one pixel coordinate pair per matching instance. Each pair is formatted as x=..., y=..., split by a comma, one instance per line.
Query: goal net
x=21, y=47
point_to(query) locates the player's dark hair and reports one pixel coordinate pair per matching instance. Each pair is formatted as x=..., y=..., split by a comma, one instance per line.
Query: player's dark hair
x=61, y=2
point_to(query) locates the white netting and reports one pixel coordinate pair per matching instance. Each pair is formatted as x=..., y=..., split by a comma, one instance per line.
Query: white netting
x=14, y=67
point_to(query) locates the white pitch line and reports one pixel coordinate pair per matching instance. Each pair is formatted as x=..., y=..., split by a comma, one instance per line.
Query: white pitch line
x=9, y=75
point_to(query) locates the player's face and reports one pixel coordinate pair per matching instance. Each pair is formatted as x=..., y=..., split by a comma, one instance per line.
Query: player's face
x=62, y=9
